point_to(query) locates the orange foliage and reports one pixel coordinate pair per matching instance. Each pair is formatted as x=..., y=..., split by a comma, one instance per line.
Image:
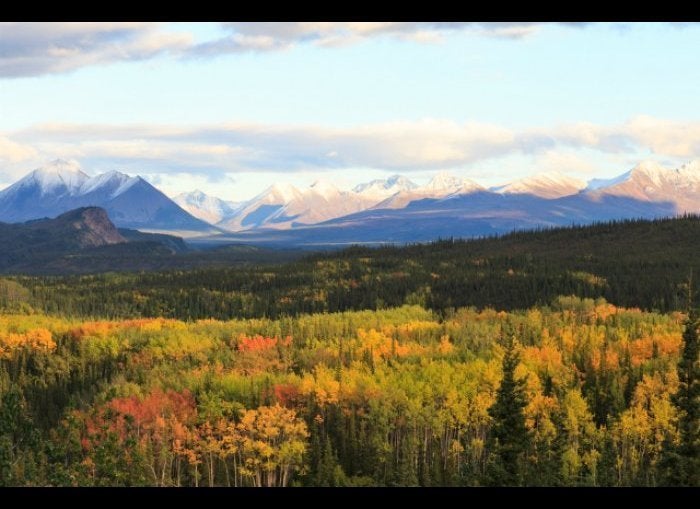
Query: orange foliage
x=259, y=343
x=36, y=339
x=603, y=311
x=445, y=347
x=150, y=415
x=152, y=324
x=544, y=359
x=157, y=404
x=382, y=346
x=287, y=395
x=612, y=359
x=641, y=350
x=93, y=329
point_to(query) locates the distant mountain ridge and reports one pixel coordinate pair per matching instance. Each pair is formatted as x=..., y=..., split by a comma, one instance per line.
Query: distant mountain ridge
x=453, y=207
x=76, y=229
x=545, y=185
x=130, y=202
x=41, y=245
x=207, y=208
x=394, y=209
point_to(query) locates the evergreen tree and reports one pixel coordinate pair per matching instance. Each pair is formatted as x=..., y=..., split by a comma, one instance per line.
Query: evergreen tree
x=18, y=437
x=681, y=462
x=326, y=470
x=509, y=438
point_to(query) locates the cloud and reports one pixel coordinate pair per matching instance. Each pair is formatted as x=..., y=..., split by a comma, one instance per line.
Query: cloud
x=256, y=147
x=32, y=49
x=13, y=152
x=175, y=183
x=430, y=144
x=666, y=137
x=565, y=162
x=274, y=36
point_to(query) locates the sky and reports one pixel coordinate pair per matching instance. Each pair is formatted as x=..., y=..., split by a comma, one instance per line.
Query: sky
x=231, y=108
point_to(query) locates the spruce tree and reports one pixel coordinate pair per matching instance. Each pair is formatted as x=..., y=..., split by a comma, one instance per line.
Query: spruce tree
x=681, y=462
x=509, y=438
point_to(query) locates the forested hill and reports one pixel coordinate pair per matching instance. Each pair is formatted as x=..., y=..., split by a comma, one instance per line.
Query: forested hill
x=630, y=263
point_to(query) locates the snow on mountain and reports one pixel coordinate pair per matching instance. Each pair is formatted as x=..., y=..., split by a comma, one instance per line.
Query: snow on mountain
x=256, y=212
x=57, y=177
x=280, y=193
x=444, y=181
x=41, y=192
x=284, y=206
x=116, y=182
x=595, y=184
x=647, y=190
x=131, y=202
x=381, y=189
x=207, y=208
x=320, y=202
x=466, y=187
x=442, y=185
x=651, y=182
x=691, y=169
x=324, y=189
x=545, y=185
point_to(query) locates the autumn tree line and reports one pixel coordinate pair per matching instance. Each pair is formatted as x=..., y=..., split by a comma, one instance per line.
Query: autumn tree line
x=579, y=392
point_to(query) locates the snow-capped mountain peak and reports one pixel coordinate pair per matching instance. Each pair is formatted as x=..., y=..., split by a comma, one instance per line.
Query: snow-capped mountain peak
x=650, y=170
x=195, y=197
x=114, y=182
x=325, y=189
x=57, y=176
x=280, y=193
x=130, y=202
x=61, y=166
x=650, y=175
x=205, y=207
x=442, y=185
x=400, y=182
x=444, y=180
x=691, y=168
x=445, y=183
x=469, y=186
x=649, y=182
x=385, y=186
x=550, y=185
x=595, y=184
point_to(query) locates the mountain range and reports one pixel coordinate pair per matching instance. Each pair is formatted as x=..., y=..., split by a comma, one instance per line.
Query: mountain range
x=207, y=208
x=131, y=202
x=383, y=210
x=449, y=206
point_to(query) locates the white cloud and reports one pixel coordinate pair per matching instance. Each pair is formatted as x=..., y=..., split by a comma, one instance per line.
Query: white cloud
x=260, y=36
x=565, y=162
x=175, y=183
x=666, y=137
x=213, y=150
x=236, y=146
x=13, y=152
x=32, y=49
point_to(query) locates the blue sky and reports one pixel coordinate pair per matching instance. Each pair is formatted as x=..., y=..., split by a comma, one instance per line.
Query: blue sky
x=231, y=108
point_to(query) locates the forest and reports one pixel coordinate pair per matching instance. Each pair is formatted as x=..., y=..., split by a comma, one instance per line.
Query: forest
x=630, y=263
x=552, y=358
